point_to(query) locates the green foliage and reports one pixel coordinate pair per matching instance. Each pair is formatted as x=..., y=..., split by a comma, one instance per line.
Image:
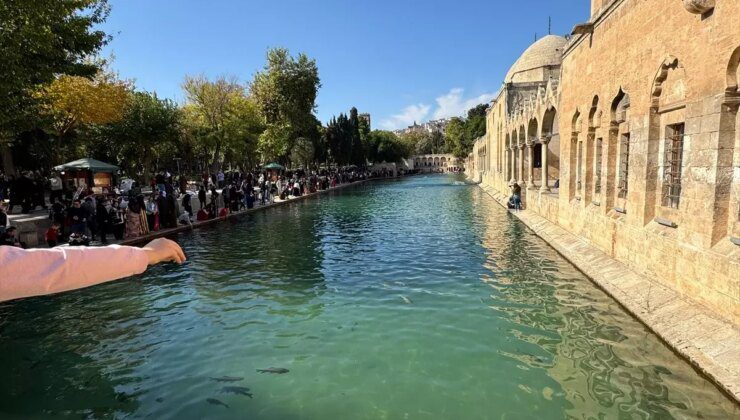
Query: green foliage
x=460, y=134
x=275, y=142
x=40, y=40
x=285, y=92
x=303, y=152
x=222, y=118
x=385, y=146
x=147, y=132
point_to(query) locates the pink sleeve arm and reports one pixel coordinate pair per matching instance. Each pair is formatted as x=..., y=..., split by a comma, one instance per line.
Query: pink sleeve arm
x=35, y=272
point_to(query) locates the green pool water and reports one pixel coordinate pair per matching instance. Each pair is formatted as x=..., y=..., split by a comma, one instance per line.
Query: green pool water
x=418, y=298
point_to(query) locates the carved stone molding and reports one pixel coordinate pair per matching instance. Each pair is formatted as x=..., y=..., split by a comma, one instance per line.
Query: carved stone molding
x=698, y=6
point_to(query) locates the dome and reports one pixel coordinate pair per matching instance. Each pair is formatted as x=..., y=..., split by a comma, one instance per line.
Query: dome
x=547, y=51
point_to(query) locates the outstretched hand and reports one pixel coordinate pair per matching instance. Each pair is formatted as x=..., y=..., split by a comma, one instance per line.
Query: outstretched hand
x=163, y=250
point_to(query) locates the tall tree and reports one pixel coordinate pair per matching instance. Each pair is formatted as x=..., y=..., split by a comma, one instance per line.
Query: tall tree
x=212, y=103
x=71, y=102
x=40, y=40
x=356, y=152
x=285, y=91
x=147, y=131
x=385, y=146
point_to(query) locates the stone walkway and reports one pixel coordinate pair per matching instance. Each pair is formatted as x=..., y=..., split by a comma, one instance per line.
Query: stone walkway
x=709, y=343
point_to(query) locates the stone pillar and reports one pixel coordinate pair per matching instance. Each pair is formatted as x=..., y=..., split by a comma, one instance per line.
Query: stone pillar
x=512, y=169
x=530, y=168
x=545, y=186
x=520, y=178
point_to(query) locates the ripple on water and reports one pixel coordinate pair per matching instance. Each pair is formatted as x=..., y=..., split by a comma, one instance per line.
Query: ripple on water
x=415, y=298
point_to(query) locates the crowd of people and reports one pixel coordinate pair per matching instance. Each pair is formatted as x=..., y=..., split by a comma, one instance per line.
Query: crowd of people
x=79, y=216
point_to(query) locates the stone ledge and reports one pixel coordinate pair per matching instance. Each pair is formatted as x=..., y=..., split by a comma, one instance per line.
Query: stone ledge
x=709, y=343
x=140, y=240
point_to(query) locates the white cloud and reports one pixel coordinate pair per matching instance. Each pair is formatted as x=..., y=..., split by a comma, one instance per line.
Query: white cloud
x=406, y=117
x=453, y=104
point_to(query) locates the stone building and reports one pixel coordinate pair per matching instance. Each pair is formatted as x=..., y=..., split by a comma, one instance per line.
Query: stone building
x=627, y=134
x=443, y=162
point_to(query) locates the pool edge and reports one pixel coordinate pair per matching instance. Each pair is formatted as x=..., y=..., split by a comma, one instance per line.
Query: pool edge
x=699, y=345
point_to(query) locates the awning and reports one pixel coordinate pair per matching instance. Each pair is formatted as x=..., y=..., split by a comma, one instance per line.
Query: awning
x=89, y=164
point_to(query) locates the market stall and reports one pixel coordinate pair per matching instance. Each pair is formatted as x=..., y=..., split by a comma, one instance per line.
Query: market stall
x=88, y=172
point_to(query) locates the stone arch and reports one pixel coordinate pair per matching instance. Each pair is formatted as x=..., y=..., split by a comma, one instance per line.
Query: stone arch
x=663, y=189
x=665, y=91
x=594, y=114
x=727, y=194
x=512, y=151
x=549, y=134
x=533, y=152
x=590, y=154
x=618, y=152
x=619, y=107
x=574, y=177
x=733, y=72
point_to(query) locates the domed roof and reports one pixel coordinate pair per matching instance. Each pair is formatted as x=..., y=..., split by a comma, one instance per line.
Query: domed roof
x=547, y=51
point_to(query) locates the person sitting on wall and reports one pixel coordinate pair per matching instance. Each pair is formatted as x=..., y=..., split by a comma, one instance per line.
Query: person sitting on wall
x=52, y=235
x=10, y=238
x=202, y=215
x=515, y=201
x=224, y=212
x=184, y=218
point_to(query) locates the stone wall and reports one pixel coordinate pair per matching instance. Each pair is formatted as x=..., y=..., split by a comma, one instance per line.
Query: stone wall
x=649, y=144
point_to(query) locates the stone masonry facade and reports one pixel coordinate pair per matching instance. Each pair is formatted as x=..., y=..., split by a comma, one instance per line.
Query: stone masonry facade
x=627, y=135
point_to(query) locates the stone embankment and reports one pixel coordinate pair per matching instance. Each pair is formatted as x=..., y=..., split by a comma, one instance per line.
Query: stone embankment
x=709, y=343
x=181, y=228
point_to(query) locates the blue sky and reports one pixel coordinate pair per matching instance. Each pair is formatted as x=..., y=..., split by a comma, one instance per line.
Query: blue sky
x=398, y=60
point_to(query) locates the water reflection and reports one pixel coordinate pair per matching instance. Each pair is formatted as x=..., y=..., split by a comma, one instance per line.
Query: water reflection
x=603, y=361
x=416, y=298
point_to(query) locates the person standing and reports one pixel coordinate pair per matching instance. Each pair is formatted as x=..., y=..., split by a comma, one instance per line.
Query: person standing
x=221, y=178
x=57, y=214
x=202, y=196
x=78, y=218
x=103, y=219
x=3, y=220
x=186, y=202
x=57, y=188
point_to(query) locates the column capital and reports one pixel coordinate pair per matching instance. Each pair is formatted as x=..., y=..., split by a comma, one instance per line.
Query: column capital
x=545, y=139
x=520, y=147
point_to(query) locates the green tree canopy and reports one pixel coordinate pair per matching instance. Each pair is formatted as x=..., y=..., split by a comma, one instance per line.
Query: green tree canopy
x=40, y=40
x=285, y=92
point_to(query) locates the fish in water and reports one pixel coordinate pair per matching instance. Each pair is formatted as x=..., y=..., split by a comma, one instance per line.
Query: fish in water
x=228, y=379
x=405, y=299
x=239, y=390
x=214, y=401
x=279, y=371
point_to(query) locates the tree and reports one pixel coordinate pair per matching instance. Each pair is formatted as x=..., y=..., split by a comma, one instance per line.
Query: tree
x=303, y=152
x=356, y=152
x=455, y=134
x=212, y=105
x=285, y=92
x=74, y=101
x=418, y=142
x=40, y=40
x=385, y=146
x=148, y=130
x=275, y=142
x=460, y=134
